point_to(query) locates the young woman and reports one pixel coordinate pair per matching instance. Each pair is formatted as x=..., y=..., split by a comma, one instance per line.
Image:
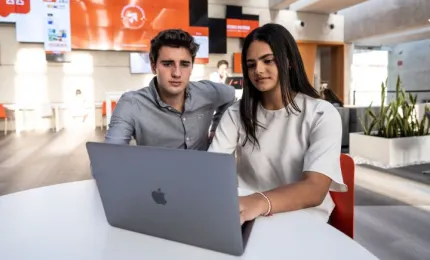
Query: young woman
x=286, y=139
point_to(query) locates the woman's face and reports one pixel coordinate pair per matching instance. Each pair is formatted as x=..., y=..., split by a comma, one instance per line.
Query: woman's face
x=262, y=69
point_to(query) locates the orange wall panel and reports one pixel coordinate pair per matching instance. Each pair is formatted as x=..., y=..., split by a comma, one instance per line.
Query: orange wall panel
x=11, y=7
x=237, y=62
x=308, y=51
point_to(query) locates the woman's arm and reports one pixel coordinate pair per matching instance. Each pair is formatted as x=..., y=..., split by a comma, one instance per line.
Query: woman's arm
x=310, y=192
x=321, y=171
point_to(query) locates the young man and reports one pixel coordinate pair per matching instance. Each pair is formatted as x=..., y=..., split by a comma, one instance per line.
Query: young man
x=172, y=112
x=221, y=74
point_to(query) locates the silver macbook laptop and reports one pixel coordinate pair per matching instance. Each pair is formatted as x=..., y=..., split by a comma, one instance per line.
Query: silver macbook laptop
x=181, y=195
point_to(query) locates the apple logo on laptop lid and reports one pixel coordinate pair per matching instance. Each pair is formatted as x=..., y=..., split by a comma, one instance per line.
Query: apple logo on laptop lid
x=159, y=197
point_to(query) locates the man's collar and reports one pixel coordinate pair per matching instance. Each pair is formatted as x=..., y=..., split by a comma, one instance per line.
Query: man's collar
x=153, y=88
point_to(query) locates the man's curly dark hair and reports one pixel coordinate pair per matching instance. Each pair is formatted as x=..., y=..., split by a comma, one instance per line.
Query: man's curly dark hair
x=173, y=38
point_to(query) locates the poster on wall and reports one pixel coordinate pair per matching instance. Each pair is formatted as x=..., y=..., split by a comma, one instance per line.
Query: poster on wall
x=9, y=9
x=57, y=26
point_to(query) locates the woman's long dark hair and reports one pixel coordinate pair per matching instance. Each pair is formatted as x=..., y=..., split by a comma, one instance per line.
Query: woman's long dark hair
x=292, y=76
x=331, y=97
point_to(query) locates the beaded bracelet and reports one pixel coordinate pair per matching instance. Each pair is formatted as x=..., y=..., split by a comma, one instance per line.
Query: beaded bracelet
x=268, y=202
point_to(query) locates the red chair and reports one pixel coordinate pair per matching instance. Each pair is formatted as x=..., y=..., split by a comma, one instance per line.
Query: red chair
x=342, y=216
x=6, y=115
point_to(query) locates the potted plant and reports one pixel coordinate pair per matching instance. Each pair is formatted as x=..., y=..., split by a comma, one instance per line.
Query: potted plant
x=395, y=135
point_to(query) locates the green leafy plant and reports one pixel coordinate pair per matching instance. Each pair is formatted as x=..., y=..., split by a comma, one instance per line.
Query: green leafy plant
x=396, y=119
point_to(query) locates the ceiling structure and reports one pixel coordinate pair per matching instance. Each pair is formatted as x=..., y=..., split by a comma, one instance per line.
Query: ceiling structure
x=371, y=22
x=280, y=4
x=314, y=6
x=395, y=38
x=386, y=22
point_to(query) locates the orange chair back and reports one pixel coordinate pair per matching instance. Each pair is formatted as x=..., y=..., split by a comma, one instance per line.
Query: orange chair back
x=113, y=105
x=342, y=216
x=2, y=112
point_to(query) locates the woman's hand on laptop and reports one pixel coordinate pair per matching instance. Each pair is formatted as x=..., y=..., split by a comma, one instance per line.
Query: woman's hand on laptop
x=251, y=207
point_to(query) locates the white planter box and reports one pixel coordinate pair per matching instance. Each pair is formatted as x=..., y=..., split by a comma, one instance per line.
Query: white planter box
x=392, y=152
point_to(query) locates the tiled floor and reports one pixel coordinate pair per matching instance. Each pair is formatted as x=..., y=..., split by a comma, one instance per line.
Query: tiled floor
x=386, y=223
x=394, y=232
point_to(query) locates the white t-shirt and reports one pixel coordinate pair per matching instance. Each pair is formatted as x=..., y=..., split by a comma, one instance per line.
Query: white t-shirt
x=215, y=77
x=290, y=145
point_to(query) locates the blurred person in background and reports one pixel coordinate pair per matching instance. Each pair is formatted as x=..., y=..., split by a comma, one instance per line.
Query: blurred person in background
x=221, y=74
x=79, y=108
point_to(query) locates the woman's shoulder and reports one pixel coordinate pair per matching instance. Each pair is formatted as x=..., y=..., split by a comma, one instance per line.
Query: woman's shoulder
x=233, y=111
x=313, y=105
x=318, y=111
x=235, y=107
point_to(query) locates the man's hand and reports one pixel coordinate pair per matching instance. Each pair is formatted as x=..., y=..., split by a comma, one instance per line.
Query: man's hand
x=252, y=206
x=224, y=75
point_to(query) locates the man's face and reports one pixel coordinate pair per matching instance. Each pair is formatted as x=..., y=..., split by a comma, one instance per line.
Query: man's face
x=222, y=69
x=173, y=69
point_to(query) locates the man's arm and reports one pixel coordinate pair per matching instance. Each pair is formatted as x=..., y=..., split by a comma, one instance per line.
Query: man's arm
x=224, y=99
x=227, y=133
x=121, y=127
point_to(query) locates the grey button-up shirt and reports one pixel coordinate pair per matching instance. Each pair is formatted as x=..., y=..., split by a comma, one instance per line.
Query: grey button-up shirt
x=143, y=115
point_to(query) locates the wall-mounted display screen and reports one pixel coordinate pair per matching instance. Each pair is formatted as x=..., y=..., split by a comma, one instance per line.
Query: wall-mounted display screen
x=113, y=24
x=31, y=26
x=11, y=18
x=235, y=82
x=140, y=63
x=118, y=25
x=203, y=52
x=240, y=28
x=238, y=24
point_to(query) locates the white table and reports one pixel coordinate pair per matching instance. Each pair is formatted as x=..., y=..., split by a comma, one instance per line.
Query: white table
x=56, y=107
x=20, y=120
x=67, y=221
